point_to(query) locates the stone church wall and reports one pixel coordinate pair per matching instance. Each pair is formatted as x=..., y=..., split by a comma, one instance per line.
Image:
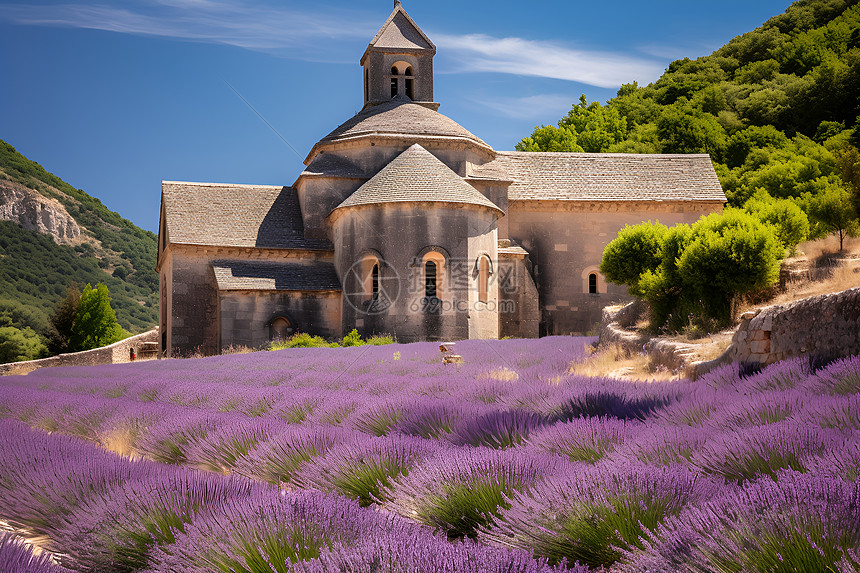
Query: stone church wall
x=565, y=241
x=246, y=315
x=519, y=309
x=401, y=234
x=194, y=307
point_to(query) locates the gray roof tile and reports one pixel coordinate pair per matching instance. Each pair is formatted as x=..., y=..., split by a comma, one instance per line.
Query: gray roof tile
x=333, y=165
x=227, y=215
x=416, y=175
x=606, y=176
x=258, y=275
x=400, y=117
x=402, y=33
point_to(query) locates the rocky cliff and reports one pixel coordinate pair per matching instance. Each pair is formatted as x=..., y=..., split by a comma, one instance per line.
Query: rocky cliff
x=33, y=211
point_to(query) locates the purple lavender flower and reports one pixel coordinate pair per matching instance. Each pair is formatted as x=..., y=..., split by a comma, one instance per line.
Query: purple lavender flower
x=763, y=450
x=496, y=429
x=841, y=378
x=18, y=557
x=45, y=478
x=117, y=531
x=275, y=461
x=361, y=469
x=797, y=522
x=420, y=552
x=223, y=448
x=584, y=439
x=430, y=420
x=269, y=532
x=590, y=514
x=168, y=441
x=461, y=490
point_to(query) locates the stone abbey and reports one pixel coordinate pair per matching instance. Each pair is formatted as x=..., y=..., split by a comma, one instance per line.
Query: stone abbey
x=405, y=223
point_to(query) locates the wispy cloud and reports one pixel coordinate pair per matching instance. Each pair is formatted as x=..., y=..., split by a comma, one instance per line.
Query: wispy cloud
x=481, y=53
x=235, y=23
x=280, y=28
x=530, y=107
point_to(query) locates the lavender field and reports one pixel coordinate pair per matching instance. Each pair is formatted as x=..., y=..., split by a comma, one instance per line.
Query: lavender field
x=383, y=459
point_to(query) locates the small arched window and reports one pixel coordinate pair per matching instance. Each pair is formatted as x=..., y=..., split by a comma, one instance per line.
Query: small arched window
x=430, y=279
x=374, y=282
x=483, y=279
x=592, y=283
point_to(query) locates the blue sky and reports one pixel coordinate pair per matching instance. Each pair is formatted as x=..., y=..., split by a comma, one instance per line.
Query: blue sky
x=115, y=97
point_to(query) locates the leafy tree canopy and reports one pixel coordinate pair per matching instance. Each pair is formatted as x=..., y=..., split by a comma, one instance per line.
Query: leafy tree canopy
x=95, y=322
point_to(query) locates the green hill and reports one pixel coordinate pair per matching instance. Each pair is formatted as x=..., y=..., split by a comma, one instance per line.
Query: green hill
x=776, y=108
x=37, y=268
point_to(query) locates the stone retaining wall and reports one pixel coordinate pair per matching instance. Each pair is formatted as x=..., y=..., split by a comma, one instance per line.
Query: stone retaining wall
x=663, y=353
x=116, y=353
x=826, y=326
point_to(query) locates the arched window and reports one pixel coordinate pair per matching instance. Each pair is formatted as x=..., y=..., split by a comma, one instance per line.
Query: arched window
x=430, y=279
x=592, y=283
x=483, y=279
x=374, y=282
x=281, y=328
x=402, y=80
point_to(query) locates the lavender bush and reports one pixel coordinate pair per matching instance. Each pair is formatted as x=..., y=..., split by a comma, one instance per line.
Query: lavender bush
x=798, y=522
x=591, y=514
x=362, y=469
x=18, y=557
x=268, y=532
x=118, y=530
x=462, y=490
x=585, y=439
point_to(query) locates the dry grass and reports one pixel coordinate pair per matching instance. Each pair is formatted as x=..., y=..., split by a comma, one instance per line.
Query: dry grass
x=504, y=374
x=818, y=268
x=617, y=362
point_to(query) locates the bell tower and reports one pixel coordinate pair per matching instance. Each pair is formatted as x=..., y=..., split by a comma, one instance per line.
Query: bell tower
x=398, y=62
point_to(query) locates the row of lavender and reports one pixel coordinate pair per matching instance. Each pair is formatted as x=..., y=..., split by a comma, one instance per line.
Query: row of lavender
x=103, y=512
x=510, y=450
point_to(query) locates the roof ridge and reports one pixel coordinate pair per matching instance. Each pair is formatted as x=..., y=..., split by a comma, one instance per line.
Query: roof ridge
x=398, y=182
x=398, y=9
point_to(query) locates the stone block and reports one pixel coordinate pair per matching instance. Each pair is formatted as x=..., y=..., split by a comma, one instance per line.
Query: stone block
x=760, y=346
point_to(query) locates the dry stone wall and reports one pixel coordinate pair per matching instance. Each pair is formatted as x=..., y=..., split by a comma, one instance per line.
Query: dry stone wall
x=116, y=353
x=825, y=326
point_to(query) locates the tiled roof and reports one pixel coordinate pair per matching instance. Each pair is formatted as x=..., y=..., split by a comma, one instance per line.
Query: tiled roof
x=401, y=32
x=258, y=275
x=400, y=117
x=226, y=215
x=333, y=165
x=416, y=175
x=608, y=176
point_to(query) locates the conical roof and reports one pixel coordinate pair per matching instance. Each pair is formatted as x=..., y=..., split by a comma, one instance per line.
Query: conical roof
x=416, y=175
x=400, y=117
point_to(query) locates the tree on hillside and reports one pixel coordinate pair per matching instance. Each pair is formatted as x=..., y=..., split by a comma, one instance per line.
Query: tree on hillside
x=95, y=322
x=698, y=270
x=17, y=344
x=728, y=254
x=788, y=221
x=637, y=249
x=62, y=319
x=834, y=213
